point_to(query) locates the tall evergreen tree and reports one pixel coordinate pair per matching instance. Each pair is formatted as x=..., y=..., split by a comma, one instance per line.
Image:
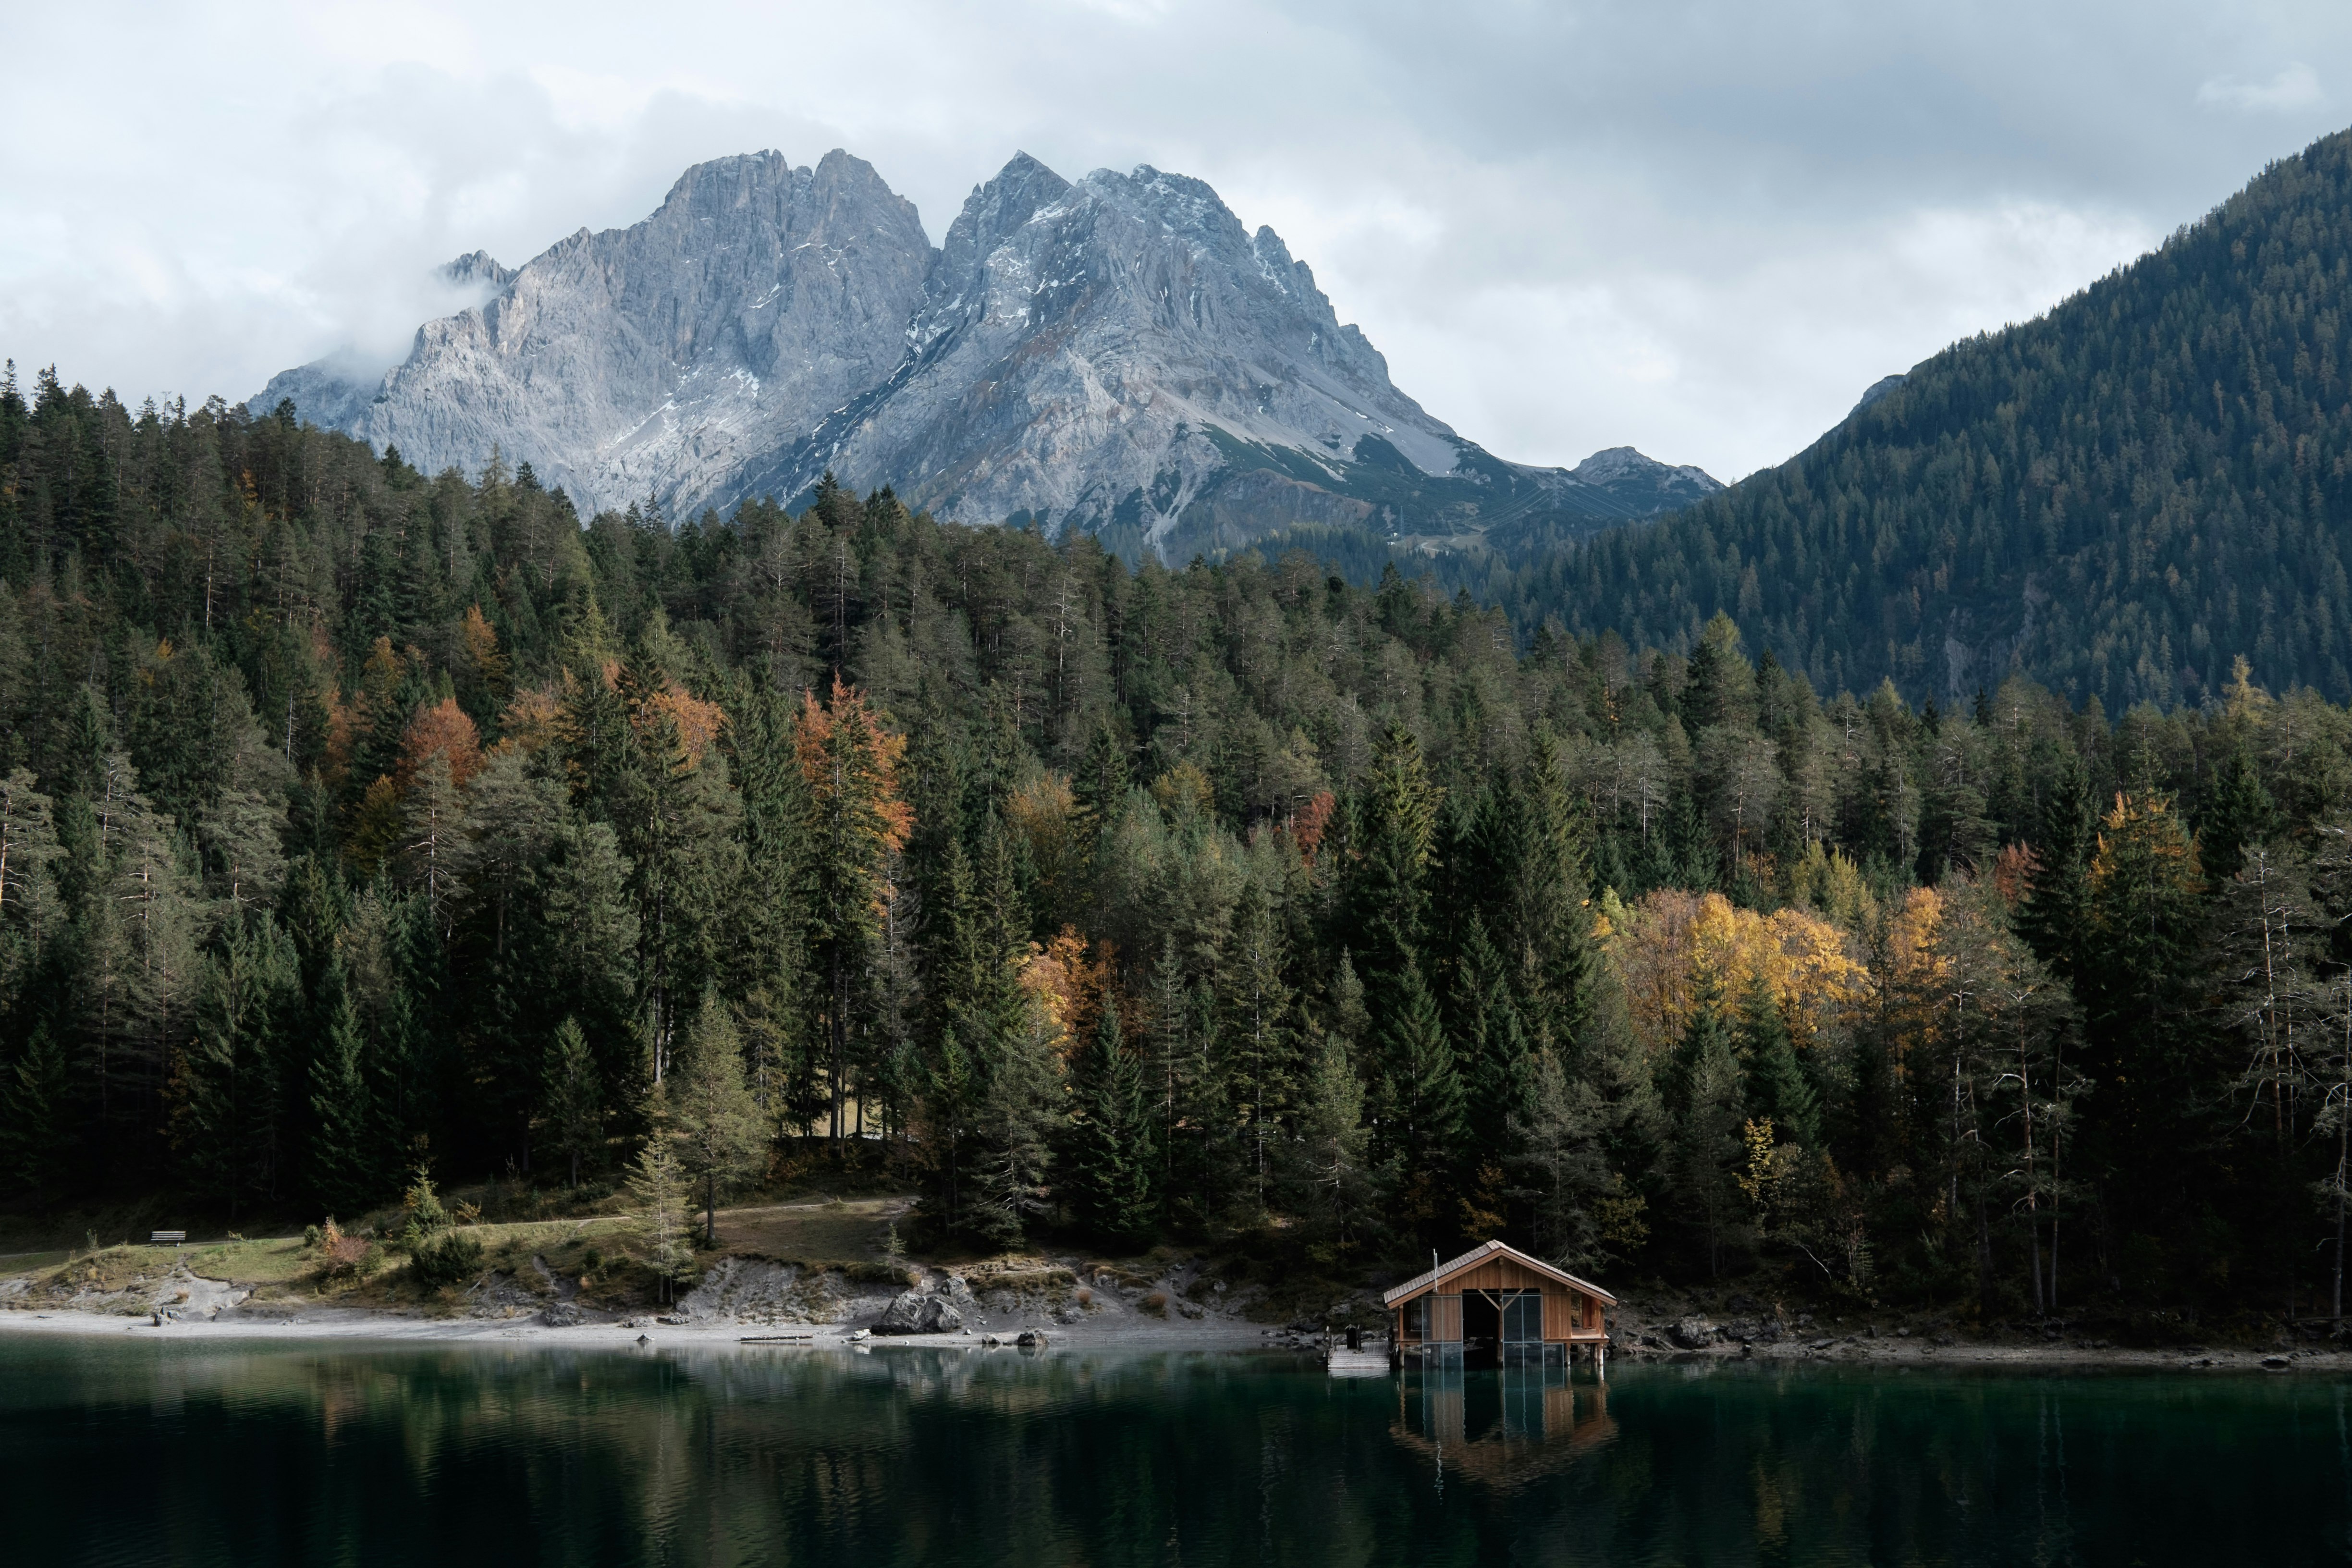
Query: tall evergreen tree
x=1113, y=1164
x=571, y=1100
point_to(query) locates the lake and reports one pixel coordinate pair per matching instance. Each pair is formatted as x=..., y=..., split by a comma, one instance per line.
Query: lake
x=175, y=1451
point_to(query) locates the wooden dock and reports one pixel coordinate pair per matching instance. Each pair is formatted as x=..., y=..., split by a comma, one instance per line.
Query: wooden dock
x=1341, y=1361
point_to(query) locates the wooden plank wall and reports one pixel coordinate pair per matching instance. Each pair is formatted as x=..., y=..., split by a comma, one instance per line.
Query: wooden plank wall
x=1566, y=1314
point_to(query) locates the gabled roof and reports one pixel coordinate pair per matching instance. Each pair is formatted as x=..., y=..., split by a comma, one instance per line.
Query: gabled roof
x=1476, y=1254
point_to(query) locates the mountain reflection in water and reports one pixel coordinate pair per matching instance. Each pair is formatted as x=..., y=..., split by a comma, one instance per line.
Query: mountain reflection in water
x=174, y=1450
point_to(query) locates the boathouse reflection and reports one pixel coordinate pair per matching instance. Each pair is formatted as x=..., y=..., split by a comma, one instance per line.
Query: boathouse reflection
x=1504, y=1427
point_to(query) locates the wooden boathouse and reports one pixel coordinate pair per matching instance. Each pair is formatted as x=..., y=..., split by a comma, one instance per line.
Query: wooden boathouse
x=1494, y=1306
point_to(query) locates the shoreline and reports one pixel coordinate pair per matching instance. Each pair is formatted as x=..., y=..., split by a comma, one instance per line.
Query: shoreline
x=366, y=1325
x=373, y=1326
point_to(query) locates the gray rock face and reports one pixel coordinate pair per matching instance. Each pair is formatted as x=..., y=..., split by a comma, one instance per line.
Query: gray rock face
x=1876, y=390
x=912, y=1312
x=1122, y=342
x=1118, y=354
x=660, y=359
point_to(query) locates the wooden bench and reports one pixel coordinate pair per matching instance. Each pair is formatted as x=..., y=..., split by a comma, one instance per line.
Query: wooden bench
x=158, y=1237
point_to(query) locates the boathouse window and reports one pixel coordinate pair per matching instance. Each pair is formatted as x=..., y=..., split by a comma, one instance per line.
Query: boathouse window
x=1522, y=1316
x=1416, y=1317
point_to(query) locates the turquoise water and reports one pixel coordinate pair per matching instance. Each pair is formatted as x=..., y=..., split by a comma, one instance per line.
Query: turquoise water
x=170, y=1452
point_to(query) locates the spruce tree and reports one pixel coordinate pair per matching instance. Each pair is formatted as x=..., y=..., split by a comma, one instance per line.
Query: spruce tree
x=572, y=1105
x=1387, y=891
x=1330, y=1166
x=1776, y=1085
x=1562, y=1163
x=2238, y=814
x=1103, y=777
x=1020, y=1120
x=341, y=1172
x=1254, y=1028
x=1113, y=1161
x=1491, y=1050
x=2052, y=916
x=1710, y=1111
x=225, y=1097
x=1421, y=1105
x=36, y=1115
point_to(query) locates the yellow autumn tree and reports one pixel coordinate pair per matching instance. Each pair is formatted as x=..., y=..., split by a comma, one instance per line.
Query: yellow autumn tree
x=1674, y=947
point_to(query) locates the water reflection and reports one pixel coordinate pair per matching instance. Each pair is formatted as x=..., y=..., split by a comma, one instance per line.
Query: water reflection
x=1505, y=1428
x=178, y=1452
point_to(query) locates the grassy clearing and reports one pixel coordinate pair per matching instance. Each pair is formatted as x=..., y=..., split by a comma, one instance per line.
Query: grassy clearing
x=839, y=1234
x=525, y=1262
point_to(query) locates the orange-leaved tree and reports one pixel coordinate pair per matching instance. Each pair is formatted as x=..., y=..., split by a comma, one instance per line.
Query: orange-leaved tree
x=857, y=824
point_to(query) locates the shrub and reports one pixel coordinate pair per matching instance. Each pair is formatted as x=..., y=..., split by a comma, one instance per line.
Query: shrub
x=1156, y=1304
x=311, y=1236
x=449, y=1258
x=342, y=1254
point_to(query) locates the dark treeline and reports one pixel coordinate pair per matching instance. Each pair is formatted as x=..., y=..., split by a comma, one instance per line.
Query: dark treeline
x=351, y=818
x=2122, y=495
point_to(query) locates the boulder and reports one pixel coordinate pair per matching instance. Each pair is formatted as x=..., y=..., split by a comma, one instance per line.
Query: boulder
x=1692, y=1333
x=913, y=1312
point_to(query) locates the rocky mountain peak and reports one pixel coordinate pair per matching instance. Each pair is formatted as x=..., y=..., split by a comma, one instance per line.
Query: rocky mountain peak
x=1118, y=353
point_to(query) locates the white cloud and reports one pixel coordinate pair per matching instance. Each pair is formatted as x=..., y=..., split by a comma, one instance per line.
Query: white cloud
x=2295, y=88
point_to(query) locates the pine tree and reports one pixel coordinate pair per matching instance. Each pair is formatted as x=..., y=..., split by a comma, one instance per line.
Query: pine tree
x=2138, y=982
x=572, y=1104
x=1113, y=1160
x=1105, y=775
x=1254, y=1029
x=1395, y=833
x=1776, y=1086
x=2238, y=814
x=30, y=908
x=432, y=839
x=660, y=1215
x=1563, y=1164
x=1422, y=1106
x=1017, y=1128
x=36, y=1115
x=714, y=1124
x=225, y=1097
x=1709, y=1110
x=2052, y=917
x=340, y=1171
x=856, y=825
x=1331, y=1172
x=1491, y=1049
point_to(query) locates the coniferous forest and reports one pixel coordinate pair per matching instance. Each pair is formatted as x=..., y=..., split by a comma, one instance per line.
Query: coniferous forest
x=353, y=819
x=2118, y=499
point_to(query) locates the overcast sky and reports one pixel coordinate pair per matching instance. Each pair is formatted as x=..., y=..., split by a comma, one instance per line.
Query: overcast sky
x=1700, y=228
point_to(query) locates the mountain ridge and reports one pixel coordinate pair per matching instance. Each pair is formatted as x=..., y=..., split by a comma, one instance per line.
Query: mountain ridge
x=1116, y=354
x=2118, y=499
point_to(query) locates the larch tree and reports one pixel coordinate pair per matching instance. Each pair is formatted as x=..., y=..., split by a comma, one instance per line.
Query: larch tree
x=856, y=825
x=714, y=1122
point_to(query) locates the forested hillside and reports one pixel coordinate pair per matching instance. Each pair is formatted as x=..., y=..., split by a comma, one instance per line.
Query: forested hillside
x=2117, y=499
x=353, y=819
